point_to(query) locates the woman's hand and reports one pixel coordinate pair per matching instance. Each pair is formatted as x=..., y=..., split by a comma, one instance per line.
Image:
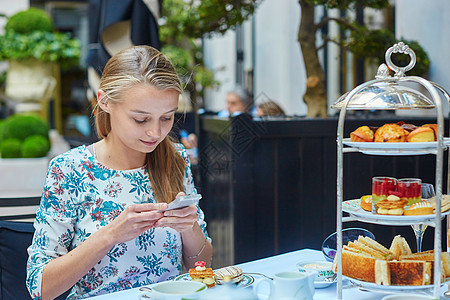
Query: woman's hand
x=134, y=220
x=180, y=219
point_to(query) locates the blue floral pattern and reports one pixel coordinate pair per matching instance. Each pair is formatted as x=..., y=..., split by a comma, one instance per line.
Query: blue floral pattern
x=80, y=196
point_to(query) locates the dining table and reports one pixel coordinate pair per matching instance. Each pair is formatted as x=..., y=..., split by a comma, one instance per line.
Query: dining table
x=269, y=266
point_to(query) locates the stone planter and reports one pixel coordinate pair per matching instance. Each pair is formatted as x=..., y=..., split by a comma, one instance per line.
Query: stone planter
x=22, y=177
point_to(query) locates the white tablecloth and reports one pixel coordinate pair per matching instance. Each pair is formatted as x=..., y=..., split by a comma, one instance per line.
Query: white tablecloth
x=274, y=264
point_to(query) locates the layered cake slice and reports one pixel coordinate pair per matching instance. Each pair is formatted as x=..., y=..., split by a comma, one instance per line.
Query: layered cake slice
x=202, y=274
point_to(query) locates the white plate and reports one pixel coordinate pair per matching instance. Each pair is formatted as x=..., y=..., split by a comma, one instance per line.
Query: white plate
x=394, y=148
x=389, y=288
x=354, y=209
x=246, y=279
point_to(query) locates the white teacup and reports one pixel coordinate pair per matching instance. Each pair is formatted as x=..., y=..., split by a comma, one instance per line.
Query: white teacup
x=407, y=297
x=173, y=290
x=290, y=286
x=323, y=268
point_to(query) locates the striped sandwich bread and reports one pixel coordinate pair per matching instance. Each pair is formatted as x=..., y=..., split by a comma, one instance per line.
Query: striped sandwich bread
x=366, y=259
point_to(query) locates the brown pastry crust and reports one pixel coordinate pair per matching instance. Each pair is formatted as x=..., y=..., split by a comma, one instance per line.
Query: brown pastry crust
x=362, y=134
x=390, y=133
x=435, y=129
x=410, y=272
x=421, y=135
x=390, y=207
x=366, y=203
x=358, y=265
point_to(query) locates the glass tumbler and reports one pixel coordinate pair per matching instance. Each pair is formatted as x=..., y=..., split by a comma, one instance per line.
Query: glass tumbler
x=410, y=189
x=382, y=187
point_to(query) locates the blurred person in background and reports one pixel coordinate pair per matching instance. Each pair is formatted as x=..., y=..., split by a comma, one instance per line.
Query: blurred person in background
x=269, y=108
x=238, y=101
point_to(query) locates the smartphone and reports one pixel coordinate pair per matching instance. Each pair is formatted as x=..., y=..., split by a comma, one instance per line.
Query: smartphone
x=183, y=201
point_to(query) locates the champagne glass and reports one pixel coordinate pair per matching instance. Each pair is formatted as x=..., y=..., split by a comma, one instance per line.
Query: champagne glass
x=419, y=229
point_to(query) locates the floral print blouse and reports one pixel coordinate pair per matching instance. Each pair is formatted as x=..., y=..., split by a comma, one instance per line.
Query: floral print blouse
x=81, y=196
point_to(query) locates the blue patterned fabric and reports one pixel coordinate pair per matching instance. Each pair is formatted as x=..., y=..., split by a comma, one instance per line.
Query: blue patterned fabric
x=81, y=196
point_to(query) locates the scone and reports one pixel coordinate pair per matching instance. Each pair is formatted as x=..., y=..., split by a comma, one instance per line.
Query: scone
x=362, y=134
x=233, y=273
x=202, y=274
x=390, y=133
x=421, y=135
x=435, y=129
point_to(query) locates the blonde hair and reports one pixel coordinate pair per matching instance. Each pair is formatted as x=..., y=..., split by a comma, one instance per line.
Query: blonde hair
x=270, y=108
x=145, y=65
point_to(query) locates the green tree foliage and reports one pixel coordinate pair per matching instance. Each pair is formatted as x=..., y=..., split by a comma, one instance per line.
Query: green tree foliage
x=349, y=4
x=360, y=40
x=183, y=23
x=374, y=43
x=196, y=18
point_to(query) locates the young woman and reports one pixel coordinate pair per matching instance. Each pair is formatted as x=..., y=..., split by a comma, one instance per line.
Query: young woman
x=99, y=228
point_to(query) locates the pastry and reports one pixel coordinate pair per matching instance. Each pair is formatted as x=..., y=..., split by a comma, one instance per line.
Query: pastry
x=202, y=274
x=366, y=202
x=435, y=129
x=420, y=208
x=407, y=127
x=362, y=134
x=233, y=273
x=392, y=205
x=390, y=133
x=445, y=203
x=421, y=135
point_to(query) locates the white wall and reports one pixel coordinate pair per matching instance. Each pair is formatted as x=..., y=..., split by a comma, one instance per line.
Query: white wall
x=279, y=67
x=220, y=57
x=9, y=7
x=428, y=23
x=279, y=70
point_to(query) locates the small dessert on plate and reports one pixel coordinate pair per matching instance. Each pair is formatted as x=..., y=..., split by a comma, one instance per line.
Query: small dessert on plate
x=392, y=205
x=390, y=133
x=435, y=129
x=445, y=203
x=233, y=273
x=366, y=202
x=202, y=274
x=419, y=208
x=421, y=135
x=362, y=134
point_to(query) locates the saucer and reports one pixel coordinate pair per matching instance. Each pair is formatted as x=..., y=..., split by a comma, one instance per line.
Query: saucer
x=323, y=284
